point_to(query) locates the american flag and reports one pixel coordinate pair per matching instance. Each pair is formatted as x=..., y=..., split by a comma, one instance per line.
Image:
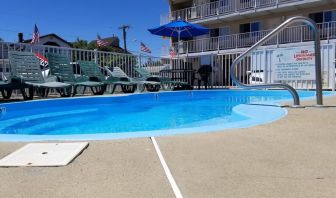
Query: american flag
x=172, y=52
x=101, y=43
x=36, y=35
x=144, y=48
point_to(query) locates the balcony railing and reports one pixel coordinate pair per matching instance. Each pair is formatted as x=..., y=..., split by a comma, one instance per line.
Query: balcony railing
x=223, y=7
x=294, y=34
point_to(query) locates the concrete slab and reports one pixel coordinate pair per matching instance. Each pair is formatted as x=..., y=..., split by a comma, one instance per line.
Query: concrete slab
x=292, y=157
x=44, y=154
x=118, y=168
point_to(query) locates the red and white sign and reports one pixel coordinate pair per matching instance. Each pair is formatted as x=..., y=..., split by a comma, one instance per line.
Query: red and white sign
x=294, y=64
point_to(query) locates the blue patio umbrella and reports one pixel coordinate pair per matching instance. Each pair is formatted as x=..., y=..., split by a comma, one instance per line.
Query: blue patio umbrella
x=179, y=29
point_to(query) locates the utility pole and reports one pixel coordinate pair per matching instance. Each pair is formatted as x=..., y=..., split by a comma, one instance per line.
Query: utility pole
x=124, y=28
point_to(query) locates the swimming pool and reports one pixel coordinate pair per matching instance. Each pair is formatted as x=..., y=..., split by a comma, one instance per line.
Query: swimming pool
x=140, y=115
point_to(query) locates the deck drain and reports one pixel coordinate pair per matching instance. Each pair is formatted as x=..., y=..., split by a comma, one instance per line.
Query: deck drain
x=319, y=178
x=44, y=153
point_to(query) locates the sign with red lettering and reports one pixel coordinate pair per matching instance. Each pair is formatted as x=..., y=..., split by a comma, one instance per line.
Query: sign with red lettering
x=294, y=64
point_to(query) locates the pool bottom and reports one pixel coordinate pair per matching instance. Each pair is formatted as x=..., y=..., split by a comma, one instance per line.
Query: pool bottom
x=255, y=113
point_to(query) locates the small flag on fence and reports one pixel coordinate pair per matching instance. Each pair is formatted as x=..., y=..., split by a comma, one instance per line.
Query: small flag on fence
x=44, y=64
x=101, y=43
x=36, y=35
x=172, y=52
x=144, y=48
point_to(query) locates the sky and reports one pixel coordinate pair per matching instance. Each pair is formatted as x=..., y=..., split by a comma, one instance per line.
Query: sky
x=72, y=19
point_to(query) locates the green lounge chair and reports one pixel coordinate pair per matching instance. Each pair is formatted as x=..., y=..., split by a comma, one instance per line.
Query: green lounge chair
x=7, y=87
x=167, y=83
x=61, y=68
x=93, y=71
x=151, y=86
x=25, y=68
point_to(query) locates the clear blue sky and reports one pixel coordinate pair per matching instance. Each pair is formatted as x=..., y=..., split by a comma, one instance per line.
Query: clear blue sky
x=84, y=19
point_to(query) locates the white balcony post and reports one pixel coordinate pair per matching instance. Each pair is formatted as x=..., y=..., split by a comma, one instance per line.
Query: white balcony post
x=301, y=31
x=187, y=50
x=328, y=31
x=236, y=40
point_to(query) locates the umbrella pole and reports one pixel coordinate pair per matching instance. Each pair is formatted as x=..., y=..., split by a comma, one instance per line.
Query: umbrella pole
x=178, y=52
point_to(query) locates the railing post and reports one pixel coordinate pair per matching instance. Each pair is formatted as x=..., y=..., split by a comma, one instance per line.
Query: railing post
x=95, y=53
x=139, y=60
x=187, y=50
x=328, y=31
x=301, y=32
x=236, y=40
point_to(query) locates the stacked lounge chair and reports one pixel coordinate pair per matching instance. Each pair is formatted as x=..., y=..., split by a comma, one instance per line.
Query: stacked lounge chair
x=25, y=68
x=166, y=83
x=151, y=86
x=61, y=68
x=93, y=71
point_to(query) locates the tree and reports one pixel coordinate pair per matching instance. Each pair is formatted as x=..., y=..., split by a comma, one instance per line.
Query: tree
x=80, y=44
x=84, y=44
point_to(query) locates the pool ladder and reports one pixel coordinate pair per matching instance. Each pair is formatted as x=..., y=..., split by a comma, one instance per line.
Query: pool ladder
x=317, y=45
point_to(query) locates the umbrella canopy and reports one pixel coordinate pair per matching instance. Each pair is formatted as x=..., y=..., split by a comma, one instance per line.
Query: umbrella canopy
x=179, y=29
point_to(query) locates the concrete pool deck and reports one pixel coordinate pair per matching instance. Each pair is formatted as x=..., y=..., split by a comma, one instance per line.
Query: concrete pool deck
x=292, y=157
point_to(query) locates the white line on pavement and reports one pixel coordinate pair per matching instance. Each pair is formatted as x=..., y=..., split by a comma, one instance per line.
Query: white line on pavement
x=172, y=182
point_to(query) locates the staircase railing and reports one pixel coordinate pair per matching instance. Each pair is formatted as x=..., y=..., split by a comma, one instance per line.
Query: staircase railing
x=317, y=45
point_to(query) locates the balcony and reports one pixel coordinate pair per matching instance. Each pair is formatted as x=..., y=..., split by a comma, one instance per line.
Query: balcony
x=223, y=8
x=294, y=34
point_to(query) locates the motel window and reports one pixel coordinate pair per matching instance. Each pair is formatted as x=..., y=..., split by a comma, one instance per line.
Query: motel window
x=323, y=17
x=224, y=31
x=330, y=16
x=249, y=27
x=255, y=27
x=214, y=32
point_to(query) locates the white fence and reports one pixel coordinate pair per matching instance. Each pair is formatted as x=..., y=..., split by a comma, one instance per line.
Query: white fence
x=257, y=66
x=125, y=61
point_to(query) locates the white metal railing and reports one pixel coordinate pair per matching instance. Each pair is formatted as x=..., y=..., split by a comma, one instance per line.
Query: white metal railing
x=222, y=8
x=292, y=34
x=125, y=61
x=272, y=34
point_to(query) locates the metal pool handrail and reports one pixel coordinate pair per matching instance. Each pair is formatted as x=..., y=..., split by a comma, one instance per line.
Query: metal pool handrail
x=312, y=24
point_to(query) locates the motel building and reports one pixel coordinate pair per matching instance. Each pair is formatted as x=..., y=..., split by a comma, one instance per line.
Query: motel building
x=235, y=25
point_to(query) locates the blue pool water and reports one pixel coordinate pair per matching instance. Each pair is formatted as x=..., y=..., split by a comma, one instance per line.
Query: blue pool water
x=140, y=114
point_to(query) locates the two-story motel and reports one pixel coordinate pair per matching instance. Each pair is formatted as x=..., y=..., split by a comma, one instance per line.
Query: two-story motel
x=236, y=25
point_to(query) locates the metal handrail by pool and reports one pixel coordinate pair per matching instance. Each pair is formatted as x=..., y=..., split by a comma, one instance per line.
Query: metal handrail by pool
x=312, y=24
